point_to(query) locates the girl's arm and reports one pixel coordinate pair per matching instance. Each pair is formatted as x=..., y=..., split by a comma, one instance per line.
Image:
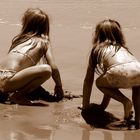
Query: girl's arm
x=58, y=90
x=88, y=83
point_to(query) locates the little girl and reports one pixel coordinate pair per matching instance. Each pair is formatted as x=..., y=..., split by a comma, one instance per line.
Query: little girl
x=19, y=72
x=117, y=67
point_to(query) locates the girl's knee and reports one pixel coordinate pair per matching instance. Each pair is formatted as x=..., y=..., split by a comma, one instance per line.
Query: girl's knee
x=46, y=70
x=98, y=82
x=102, y=82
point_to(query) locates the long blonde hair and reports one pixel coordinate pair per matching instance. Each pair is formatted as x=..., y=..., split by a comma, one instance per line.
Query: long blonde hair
x=35, y=22
x=108, y=32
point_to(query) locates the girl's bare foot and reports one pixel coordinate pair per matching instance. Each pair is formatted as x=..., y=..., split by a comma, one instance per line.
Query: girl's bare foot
x=17, y=98
x=3, y=97
x=128, y=113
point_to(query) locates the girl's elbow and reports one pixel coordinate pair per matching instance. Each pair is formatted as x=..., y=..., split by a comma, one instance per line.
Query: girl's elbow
x=54, y=67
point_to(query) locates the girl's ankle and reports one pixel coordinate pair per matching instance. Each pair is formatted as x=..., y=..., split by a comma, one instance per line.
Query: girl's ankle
x=137, y=125
x=128, y=110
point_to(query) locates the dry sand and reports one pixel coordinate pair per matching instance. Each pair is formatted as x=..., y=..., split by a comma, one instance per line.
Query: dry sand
x=72, y=24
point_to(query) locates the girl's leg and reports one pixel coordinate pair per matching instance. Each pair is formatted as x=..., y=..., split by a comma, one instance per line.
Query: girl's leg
x=105, y=101
x=136, y=103
x=28, y=79
x=112, y=92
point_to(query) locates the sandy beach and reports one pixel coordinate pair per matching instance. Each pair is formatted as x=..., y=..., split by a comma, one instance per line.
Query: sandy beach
x=72, y=23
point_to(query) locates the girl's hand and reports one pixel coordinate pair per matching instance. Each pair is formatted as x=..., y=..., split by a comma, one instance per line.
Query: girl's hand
x=58, y=92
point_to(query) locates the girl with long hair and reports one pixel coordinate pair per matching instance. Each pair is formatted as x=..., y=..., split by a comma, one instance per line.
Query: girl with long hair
x=118, y=68
x=19, y=72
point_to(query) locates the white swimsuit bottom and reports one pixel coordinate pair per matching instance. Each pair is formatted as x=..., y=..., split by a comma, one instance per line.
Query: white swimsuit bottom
x=124, y=75
x=5, y=75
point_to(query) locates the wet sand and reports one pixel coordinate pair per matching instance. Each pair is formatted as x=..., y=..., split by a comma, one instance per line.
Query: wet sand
x=72, y=23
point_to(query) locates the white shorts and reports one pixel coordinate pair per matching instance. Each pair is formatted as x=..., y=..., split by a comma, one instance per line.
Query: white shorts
x=124, y=75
